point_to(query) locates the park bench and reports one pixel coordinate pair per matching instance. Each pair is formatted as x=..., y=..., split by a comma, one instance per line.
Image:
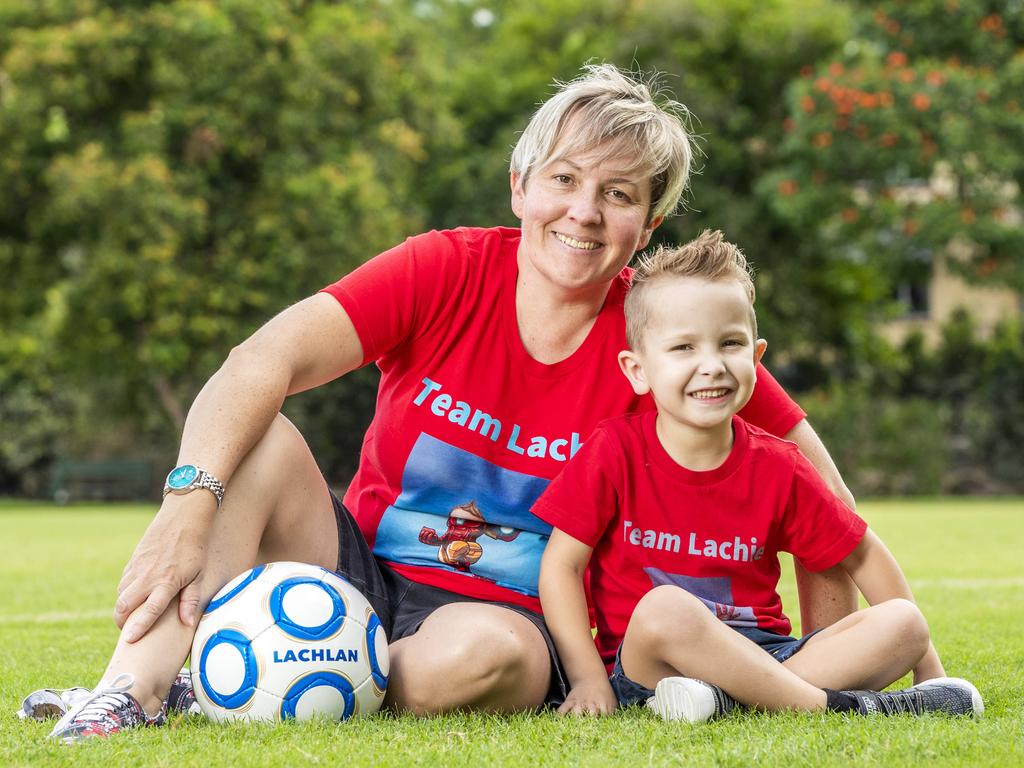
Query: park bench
x=101, y=479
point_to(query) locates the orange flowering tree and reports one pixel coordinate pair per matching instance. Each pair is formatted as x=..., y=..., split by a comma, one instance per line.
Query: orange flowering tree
x=909, y=140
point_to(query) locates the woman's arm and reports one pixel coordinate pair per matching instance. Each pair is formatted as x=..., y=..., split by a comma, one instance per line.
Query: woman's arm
x=827, y=596
x=565, y=612
x=811, y=446
x=306, y=345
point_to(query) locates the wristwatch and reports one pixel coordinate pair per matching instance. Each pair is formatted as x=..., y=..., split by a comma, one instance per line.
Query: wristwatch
x=188, y=477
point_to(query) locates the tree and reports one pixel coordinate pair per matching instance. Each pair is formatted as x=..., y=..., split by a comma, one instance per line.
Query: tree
x=175, y=173
x=908, y=142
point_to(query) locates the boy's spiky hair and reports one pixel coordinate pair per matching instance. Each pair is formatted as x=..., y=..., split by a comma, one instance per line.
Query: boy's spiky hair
x=709, y=257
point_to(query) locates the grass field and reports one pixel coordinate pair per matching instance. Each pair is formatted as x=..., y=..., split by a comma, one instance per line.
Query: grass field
x=60, y=566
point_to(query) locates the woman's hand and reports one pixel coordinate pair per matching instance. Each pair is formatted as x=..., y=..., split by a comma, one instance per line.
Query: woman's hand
x=167, y=562
x=590, y=697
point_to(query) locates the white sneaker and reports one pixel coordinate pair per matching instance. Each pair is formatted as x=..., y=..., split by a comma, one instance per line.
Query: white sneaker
x=694, y=701
x=54, y=703
x=50, y=702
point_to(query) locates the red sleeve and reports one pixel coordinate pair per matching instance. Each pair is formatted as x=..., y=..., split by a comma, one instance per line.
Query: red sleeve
x=817, y=527
x=770, y=408
x=396, y=295
x=582, y=500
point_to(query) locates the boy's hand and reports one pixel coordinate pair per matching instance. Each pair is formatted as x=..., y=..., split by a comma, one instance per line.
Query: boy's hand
x=591, y=697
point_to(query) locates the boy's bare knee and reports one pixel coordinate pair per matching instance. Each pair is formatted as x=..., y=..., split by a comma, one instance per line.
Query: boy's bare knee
x=908, y=624
x=669, y=614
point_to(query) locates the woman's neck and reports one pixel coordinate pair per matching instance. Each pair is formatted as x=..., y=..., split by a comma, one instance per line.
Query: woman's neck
x=553, y=323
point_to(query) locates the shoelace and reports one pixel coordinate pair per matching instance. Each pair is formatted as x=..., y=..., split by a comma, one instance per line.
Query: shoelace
x=898, y=702
x=95, y=705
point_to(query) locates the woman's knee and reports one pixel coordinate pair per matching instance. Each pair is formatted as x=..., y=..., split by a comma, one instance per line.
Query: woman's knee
x=462, y=660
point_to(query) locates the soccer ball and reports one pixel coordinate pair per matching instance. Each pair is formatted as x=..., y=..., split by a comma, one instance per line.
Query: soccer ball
x=289, y=640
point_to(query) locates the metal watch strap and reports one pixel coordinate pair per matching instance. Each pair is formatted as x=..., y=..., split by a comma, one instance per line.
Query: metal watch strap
x=211, y=483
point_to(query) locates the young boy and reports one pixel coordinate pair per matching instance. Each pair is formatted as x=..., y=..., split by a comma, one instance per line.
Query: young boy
x=680, y=514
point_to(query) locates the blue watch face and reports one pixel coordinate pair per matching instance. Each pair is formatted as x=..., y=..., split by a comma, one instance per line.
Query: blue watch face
x=182, y=477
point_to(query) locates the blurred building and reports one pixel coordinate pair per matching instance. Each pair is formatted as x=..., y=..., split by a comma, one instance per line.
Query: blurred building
x=930, y=300
x=930, y=303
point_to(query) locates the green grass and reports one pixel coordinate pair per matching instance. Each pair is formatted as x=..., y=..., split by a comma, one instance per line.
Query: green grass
x=60, y=568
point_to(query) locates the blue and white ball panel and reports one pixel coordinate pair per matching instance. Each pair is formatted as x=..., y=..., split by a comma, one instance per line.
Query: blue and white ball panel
x=369, y=698
x=377, y=651
x=307, y=608
x=228, y=669
x=233, y=587
x=318, y=694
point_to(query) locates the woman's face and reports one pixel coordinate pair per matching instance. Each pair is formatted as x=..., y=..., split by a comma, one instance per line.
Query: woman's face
x=583, y=217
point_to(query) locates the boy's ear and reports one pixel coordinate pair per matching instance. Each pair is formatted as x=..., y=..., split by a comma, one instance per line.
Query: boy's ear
x=629, y=364
x=759, y=347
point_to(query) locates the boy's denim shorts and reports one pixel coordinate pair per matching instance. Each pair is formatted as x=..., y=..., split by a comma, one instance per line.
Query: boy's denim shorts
x=780, y=647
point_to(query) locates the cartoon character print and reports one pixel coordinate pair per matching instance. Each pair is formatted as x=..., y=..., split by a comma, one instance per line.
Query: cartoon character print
x=458, y=546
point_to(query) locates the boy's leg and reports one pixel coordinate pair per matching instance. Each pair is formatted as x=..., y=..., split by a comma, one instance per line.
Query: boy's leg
x=672, y=633
x=871, y=648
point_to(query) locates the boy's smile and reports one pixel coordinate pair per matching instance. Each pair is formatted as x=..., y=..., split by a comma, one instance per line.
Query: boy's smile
x=698, y=358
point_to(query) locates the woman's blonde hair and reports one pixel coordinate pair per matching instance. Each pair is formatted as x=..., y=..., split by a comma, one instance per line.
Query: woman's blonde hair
x=622, y=113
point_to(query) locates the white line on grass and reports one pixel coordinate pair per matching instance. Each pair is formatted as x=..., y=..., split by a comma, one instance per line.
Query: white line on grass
x=979, y=583
x=61, y=616
x=56, y=617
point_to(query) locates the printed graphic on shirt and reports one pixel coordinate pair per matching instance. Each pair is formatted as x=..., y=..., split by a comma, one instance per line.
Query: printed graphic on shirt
x=714, y=591
x=460, y=512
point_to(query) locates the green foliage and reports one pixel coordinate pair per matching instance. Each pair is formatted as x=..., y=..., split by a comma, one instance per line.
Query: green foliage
x=175, y=173
x=948, y=420
x=883, y=445
x=907, y=143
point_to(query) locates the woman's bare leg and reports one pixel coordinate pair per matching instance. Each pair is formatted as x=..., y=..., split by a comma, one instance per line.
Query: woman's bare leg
x=277, y=507
x=470, y=656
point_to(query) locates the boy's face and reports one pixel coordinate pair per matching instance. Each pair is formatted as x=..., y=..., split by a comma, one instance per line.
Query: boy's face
x=699, y=354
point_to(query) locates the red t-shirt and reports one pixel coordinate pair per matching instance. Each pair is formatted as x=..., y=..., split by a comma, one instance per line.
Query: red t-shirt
x=467, y=424
x=716, y=534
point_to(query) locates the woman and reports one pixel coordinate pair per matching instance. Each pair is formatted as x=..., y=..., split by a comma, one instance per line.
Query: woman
x=497, y=349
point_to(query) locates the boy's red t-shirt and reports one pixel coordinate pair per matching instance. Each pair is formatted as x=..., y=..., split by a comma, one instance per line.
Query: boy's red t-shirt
x=467, y=424
x=716, y=534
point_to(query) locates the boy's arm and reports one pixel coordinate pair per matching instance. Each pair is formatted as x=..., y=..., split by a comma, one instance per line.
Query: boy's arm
x=879, y=577
x=826, y=596
x=565, y=612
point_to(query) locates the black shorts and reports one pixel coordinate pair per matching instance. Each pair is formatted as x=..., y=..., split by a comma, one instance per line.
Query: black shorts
x=403, y=605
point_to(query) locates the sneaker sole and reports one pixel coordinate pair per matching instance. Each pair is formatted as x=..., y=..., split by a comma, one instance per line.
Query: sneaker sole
x=977, y=703
x=674, y=700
